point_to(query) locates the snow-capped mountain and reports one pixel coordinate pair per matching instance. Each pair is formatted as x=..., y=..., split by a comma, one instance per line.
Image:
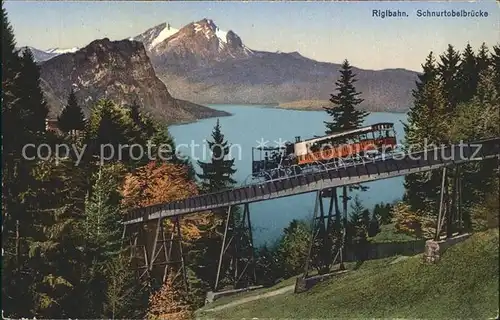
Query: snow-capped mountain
x=198, y=44
x=202, y=63
x=155, y=35
x=38, y=55
x=44, y=55
x=58, y=51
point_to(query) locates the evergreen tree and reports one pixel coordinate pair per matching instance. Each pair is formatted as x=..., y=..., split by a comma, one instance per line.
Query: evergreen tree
x=345, y=116
x=439, y=116
x=483, y=59
x=71, y=117
x=358, y=229
x=23, y=122
x=55, y=255
x=217, y=174
x=468, y=74
x=344, y=113
x=110, y=127
x=102, y=226
x=9, y=53
x=478, y=119
x=125, y=297
x=449, y=74
x=495, y=61
x=145, y=127
x=425, y=125
x=382, y=213
x=156, y=138
x=293, y=246
x=429, y=73
x=113, y=289
x=374, y=226
x=32, y=101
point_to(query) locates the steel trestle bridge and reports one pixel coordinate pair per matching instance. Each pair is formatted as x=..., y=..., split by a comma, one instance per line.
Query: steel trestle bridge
x=155, y=250
x=389, y=167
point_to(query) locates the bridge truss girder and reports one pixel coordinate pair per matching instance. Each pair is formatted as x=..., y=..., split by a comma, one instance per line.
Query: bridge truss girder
x=156, y=251
x=238, y=249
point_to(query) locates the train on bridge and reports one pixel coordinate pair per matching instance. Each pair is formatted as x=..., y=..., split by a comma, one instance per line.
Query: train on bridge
x=351, y=145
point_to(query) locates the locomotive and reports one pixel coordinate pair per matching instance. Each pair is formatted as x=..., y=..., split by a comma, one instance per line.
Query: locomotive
x=369, y=141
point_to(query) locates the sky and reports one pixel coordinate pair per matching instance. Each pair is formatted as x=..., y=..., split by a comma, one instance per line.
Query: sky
x=324, y=31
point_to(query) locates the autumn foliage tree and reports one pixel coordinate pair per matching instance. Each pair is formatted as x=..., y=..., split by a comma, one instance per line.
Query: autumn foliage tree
x=411, y=222
x=169, y=303
x=157, y=183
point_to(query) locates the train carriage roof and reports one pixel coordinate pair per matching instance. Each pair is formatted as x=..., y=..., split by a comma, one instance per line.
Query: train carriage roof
x=370, y=128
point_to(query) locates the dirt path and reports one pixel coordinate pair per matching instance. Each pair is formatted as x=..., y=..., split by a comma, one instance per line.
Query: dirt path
x=252, y=298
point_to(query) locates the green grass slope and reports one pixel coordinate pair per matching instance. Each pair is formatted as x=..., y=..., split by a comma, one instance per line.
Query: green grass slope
x=464, y=284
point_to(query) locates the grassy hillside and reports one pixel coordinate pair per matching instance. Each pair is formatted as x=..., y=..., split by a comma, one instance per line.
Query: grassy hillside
x=463, y=285
x=388, y=234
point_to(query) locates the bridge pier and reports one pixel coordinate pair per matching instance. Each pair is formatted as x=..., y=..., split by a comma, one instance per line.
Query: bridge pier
x=156, y=251
x=450, y=217
x=237, y=246
x=327, y=236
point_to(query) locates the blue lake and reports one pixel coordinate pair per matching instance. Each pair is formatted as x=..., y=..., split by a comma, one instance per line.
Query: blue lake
x=246, y=127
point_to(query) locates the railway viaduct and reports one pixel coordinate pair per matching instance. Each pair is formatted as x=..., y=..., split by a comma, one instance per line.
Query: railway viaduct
x=156, y=251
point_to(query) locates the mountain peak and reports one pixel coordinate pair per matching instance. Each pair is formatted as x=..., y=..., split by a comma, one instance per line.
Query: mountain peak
x=156, y=35
x=296, y=54
x=209, y=22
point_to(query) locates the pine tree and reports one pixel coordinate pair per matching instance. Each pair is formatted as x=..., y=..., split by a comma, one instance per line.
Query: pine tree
x=345, y=116
x=449, y=74
x=102, y=225
x=71, y=118
x=32, y=101
x=483, y=59
x=217, y=174
x=9, y=53
x=125, y=297
x=374, y=226
x=344, y=113
x=146, y=127
x=55, y=248
x=110, y=125
x=478, y=119
x=468, y=74
x=495, y=61
x=425, y=124
x=23, y=122
x=382, y=213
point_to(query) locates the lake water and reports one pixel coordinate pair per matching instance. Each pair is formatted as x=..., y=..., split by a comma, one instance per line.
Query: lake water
x=246, y=127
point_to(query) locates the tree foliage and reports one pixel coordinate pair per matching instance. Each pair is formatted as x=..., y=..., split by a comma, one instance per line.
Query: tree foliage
x=293, y=247
x=413, y=223
x=345, y=116
x=169, y=302
x=160, y=183
x=71, y=118
x=217, y=175
x=455, y=100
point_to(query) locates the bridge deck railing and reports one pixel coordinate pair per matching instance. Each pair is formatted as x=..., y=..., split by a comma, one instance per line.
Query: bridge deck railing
x=394, y=165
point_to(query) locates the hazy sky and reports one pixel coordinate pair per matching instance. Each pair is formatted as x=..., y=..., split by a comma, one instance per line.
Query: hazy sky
x=325, y=31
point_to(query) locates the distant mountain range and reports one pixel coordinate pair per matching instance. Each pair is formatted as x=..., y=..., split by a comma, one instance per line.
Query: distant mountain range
x=204, y=64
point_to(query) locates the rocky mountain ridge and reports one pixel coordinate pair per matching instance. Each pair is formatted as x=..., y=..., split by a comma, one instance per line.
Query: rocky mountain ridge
x=116, y=70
